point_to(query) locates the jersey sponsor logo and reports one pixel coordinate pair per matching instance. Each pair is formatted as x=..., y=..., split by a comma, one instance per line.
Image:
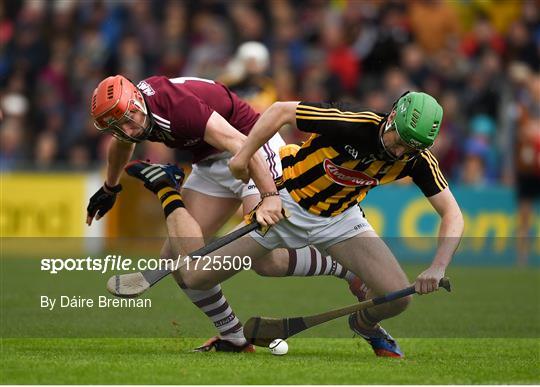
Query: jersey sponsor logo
x=146, y=88
x=348, y=177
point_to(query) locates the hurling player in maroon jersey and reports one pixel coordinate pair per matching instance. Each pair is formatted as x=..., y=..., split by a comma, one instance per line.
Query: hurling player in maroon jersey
x=207, y=119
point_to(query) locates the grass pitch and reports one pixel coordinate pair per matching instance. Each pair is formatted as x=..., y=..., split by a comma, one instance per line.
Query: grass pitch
x=309, y=361
x=486, y=331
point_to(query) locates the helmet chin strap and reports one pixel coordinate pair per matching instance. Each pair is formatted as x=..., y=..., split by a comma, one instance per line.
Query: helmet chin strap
x=385, y=154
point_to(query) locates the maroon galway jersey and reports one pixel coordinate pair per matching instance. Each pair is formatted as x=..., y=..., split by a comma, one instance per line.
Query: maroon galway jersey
x=181, y=107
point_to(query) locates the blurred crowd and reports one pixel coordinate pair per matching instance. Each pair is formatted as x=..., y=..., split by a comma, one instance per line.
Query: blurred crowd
x=480, y=59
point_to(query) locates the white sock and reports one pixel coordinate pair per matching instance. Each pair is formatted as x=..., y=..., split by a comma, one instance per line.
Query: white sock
x=308, y=261
x=215, y=306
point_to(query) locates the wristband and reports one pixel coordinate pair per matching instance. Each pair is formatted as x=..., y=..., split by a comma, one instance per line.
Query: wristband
x=115, y=189
x=268, y=194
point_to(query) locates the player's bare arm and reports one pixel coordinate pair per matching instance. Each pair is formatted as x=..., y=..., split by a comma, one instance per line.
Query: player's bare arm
x=119, y=154
x=277, y=115
x=450, y=232
x=221, y=135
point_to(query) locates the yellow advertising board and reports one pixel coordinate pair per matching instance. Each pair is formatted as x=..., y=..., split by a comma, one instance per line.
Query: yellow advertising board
x=42, y=205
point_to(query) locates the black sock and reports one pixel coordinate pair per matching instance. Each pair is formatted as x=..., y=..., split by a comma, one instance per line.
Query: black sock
x=170, y=199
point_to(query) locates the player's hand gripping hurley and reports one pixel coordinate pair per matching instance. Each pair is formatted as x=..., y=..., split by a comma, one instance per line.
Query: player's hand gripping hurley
x=262, y=331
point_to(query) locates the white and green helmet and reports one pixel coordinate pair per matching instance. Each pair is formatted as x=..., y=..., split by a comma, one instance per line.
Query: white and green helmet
x=418, y=119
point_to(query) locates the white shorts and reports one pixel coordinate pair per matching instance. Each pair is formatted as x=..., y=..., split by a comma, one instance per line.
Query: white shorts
x=303, y=228
x=212, y=176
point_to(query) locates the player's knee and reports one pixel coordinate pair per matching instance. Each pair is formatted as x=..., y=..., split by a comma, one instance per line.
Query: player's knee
x=274, y=264
x=200, y=285
x=263, y=267
x=203, y=285
x=196, y=282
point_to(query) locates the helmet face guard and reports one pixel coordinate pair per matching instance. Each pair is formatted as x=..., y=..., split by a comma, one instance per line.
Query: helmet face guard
x=409, y=154
x=114, y=103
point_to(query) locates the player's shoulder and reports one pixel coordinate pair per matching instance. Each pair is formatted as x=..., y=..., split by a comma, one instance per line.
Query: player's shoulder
x=164, y=92
x=342, y=106
x=155, y=84
x=425, y=162
x=349, y=111
x=427, y=157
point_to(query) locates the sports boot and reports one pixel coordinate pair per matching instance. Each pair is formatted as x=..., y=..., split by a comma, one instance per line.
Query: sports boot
x=221, y=345
x=382, y=343
x=156, y=176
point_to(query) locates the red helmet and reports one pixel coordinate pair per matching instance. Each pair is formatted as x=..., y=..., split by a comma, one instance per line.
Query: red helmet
x=113, y=103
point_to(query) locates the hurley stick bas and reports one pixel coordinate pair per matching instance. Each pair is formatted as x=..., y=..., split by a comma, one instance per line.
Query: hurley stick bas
x=134, y=284
x=262, y=331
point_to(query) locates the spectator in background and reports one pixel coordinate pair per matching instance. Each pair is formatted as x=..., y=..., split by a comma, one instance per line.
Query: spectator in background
x=376, y=100
x=129, y=58
x=147, y=34
x=527, y=164
x=481, y=97
x=173, y=40
x=521, y=46
x=481, y=143
x=14, y=107
x=247, y=76
x=289, y=49
x=79, y=156
x=342, y=62
x=46, y=150
x=448, y=71
x=482, y=38
x=210, y=46
x=414, y=64
x=479, y=155
x=473, y=173
x=11, y=140
x=395, y=84
x=434, y=24
x=53, y=53
x=384, y=38
x=248, y=22
x=448, y=147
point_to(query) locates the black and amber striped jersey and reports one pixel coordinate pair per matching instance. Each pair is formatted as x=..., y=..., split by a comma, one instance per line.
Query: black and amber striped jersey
x=343, y=159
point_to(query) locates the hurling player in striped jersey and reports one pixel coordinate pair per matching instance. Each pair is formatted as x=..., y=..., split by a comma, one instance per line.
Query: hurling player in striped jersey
x=350, y=152
x=208, y=120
